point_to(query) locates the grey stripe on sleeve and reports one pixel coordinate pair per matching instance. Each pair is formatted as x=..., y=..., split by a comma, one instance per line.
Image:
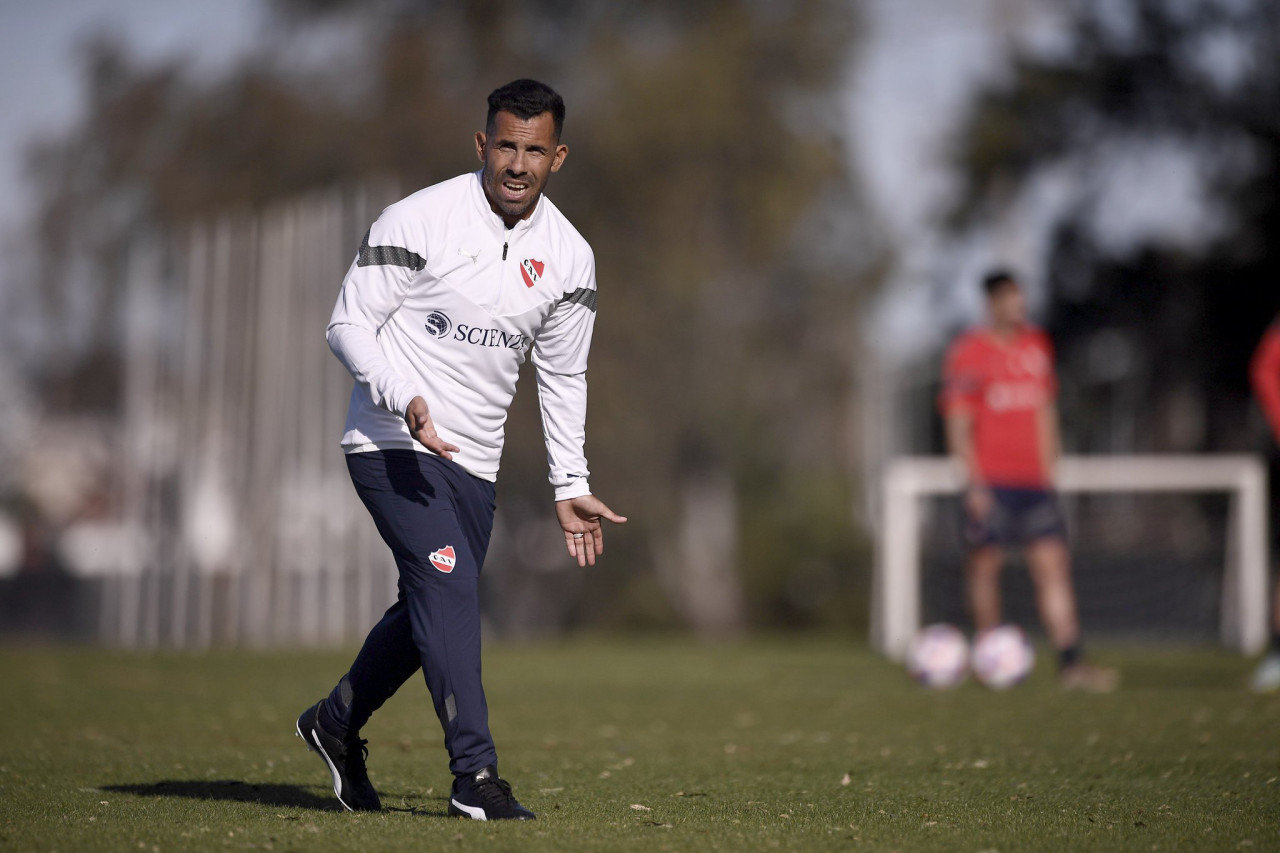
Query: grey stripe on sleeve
x=388, y=256
x=582, y=296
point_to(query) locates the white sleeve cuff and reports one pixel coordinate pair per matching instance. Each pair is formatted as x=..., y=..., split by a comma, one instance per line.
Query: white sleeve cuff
x=575, y=489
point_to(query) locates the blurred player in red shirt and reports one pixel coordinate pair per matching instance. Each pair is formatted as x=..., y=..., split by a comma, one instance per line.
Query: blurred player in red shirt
x=998, y=400
x=1265, y=375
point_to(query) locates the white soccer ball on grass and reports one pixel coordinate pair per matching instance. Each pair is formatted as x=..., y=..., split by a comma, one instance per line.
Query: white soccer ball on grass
x=1002, y=657
x=939, y=656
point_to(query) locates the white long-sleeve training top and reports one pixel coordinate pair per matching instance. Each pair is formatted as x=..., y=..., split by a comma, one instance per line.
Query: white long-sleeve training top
x=443, y=302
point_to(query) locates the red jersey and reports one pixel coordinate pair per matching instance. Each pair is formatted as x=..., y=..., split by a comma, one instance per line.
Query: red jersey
x=1265, y=375
x=1002, y=386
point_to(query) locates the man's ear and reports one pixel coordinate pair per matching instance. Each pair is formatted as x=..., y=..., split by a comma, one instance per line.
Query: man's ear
x=480, y=143
x=562, y=151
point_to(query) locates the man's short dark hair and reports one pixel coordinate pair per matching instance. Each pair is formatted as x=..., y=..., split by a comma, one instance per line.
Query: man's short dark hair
x=526, y=99
x=997, y=280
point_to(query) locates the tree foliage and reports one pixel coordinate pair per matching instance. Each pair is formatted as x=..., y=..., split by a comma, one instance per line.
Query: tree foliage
x=1145, y=325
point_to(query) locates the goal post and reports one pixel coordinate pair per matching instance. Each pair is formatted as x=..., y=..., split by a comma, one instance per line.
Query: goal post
x=895, y=613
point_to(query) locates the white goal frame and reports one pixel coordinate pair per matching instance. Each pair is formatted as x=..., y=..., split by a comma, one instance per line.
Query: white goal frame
x=895, y=595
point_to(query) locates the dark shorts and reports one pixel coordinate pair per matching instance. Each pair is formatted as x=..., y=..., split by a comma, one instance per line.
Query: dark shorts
x=1018, y=517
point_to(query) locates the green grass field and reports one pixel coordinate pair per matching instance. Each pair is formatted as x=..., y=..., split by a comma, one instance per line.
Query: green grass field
x=654, y=745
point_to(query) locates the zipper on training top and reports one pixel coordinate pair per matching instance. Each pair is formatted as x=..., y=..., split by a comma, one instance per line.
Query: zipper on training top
x=506, y=241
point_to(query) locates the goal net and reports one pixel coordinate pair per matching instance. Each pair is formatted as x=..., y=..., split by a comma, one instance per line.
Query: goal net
x=1162, y=547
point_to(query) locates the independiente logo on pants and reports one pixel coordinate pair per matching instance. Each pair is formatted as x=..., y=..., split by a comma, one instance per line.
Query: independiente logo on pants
x=444, y=560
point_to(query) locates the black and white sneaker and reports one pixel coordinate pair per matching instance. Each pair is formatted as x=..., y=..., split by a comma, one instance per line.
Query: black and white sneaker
x=345, y=759
x=483, y=796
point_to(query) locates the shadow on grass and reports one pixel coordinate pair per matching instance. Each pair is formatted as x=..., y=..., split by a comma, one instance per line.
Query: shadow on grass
x=232, y=790
x=236, y=791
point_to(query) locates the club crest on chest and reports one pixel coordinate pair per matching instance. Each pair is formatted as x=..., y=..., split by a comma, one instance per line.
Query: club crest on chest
x=531, y=270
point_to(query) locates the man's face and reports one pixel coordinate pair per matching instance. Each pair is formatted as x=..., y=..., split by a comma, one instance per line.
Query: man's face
x=1008, y=306
x=519, y=156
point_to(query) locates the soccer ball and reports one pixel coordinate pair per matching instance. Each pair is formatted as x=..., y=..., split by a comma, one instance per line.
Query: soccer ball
x=939, y=656
x=1002, y=657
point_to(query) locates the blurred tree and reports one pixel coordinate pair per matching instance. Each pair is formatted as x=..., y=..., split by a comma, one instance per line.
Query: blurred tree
x=155, y=149
x=706, y=172
x=1155, y=311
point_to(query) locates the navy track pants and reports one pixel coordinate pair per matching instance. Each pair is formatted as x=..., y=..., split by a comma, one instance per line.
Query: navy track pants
x=437, y=520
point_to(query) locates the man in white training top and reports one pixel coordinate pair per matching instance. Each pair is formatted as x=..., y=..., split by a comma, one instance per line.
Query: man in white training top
x=451, y=288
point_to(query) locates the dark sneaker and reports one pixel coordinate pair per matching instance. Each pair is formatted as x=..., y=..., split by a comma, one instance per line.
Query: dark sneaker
x=483, y=796
x=345, y=759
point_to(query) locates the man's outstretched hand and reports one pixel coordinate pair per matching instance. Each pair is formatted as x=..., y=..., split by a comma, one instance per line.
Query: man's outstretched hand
x=580, y=520
x=423, y=429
